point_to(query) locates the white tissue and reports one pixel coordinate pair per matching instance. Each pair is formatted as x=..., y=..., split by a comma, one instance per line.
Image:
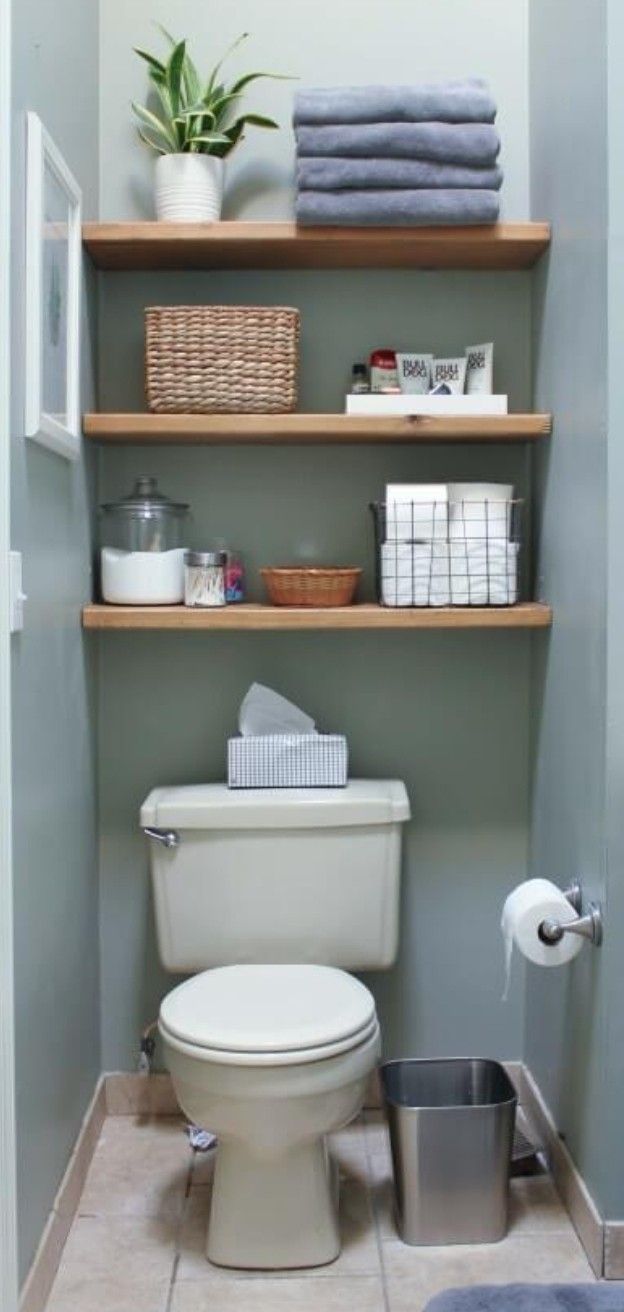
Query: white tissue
x=263, y=712
x=525, y=909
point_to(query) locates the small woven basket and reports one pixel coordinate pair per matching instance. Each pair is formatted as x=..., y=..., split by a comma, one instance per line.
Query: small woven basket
x=216, y=359
x=310, y=586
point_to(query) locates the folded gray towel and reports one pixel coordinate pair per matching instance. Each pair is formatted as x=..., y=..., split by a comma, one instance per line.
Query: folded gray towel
x=435, y=207
x=321, y=173
x=467, y=101
x=477, y=144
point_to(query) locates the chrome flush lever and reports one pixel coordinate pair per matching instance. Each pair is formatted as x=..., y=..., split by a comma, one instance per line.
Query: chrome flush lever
x=168, y=837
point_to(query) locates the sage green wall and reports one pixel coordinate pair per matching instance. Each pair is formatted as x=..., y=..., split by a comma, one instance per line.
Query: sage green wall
x=55, y=874
x=567, y=1024
x=448, y=713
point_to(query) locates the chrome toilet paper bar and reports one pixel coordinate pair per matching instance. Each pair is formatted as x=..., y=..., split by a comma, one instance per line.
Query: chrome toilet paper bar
x=589, y=926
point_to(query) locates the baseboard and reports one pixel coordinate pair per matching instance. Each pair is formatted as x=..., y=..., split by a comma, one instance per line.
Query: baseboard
x=614, y=1250
x=39, y=1281
x=576, y=1198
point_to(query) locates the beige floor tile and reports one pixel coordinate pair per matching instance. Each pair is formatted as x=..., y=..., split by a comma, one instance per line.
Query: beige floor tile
x=382, y=1194
x=359, y=1255
x=416, y=1273
x=133, y=1250
x=536, y=1208
x=140, y=1168
x=355, y=1294
x=108, y=1296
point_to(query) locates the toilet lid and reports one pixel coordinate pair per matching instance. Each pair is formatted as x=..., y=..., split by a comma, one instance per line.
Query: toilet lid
x=264, y=1009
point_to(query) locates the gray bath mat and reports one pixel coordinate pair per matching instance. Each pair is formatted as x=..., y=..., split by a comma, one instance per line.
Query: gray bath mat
x=531, y=1298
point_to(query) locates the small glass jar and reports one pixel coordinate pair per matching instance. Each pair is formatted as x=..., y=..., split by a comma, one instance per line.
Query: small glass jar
x=360, y=384
x=204, y=578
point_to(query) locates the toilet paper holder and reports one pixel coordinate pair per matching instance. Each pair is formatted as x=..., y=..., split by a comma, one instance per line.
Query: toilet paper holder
x=589, y=926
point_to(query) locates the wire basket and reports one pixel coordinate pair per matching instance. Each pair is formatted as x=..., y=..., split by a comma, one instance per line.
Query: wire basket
x=449, y=553
x=218, y=359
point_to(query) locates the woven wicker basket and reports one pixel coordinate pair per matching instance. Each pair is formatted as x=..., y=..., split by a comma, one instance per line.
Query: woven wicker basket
x=310, y=586
x=214, y=359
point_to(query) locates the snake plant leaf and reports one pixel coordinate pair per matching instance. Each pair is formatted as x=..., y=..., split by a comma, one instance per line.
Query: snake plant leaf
x=155, y=64
x=153, y=145
x=155, y=123
x=174, y=74
x=234, y=46
x=192, y=84
x=162, y=91
x=220, y=106
x=257, y=120
x=198, y=110
x=243, y=82
x=210, y=139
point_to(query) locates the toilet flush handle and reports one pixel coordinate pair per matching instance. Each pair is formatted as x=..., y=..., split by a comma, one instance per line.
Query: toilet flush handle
x=168, y=837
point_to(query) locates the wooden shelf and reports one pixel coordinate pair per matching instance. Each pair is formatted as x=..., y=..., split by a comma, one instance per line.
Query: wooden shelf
x=136, y=246
x=312, y=428
x=531, y=615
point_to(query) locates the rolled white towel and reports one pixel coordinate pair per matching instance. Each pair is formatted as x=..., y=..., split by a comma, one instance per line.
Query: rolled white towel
x=484, y=573
x=456, y=573
x=415, y=574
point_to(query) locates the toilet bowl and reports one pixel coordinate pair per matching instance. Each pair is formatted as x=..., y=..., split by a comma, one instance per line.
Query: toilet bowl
x=271, y=1059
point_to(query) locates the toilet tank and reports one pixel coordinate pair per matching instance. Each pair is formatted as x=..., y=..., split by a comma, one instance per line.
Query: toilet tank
x=277, y=875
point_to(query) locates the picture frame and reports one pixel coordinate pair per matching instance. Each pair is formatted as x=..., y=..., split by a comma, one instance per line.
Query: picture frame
x=53, y=295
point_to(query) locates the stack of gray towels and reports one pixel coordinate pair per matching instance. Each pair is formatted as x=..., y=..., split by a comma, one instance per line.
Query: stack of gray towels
x=384, y=155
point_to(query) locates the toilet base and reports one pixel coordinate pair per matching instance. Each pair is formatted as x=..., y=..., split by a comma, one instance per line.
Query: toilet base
x=274, y=1213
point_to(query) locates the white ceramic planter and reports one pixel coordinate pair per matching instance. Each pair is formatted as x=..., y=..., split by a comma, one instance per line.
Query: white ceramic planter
x=189, y=188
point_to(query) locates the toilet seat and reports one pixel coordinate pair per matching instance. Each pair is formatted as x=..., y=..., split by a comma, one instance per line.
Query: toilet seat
x=268, y=1014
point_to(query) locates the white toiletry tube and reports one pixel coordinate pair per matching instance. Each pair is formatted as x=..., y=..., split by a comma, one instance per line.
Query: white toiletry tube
x=414, y=372
x=480, y=369
x=451, y=371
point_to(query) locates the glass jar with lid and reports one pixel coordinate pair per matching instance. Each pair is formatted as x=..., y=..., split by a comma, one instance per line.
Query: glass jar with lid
x=143, y=538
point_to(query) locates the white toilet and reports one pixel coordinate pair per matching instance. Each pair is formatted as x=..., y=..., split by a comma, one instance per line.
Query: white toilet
x=267, y=898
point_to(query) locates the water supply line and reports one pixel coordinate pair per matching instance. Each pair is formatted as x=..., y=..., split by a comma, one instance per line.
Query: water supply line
x=147, y=1048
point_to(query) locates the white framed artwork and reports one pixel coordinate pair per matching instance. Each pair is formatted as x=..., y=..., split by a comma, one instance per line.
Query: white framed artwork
x=53, y=295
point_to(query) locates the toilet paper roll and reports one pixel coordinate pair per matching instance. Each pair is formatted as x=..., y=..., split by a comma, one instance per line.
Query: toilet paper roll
x=525, y=909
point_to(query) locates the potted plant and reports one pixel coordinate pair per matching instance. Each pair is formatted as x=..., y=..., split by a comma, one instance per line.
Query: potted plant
x=193, y=132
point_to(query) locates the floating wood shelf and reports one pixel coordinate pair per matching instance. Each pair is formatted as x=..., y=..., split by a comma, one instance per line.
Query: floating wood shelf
x=333, y=430
x=136, y=246
x=531, y=615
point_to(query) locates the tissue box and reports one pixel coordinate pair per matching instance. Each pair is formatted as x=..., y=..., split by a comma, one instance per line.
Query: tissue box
x=288, y=761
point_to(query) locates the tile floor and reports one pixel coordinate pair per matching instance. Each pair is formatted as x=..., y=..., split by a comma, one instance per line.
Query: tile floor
x=137, y=1242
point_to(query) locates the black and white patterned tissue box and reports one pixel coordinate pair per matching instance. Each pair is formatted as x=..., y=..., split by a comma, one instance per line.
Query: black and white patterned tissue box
x=294, y=760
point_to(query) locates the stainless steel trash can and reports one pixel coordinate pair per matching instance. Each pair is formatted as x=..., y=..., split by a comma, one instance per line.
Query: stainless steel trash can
x=451, y=1131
